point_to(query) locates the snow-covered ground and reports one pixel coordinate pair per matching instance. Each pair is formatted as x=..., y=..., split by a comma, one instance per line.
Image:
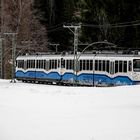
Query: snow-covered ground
x=44, y=112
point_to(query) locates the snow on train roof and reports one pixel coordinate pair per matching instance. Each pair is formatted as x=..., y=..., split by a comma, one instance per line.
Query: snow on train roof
x=38, y=56
x=79, y=55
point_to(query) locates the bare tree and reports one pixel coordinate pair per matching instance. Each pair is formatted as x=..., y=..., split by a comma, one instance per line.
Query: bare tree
x=17, y=16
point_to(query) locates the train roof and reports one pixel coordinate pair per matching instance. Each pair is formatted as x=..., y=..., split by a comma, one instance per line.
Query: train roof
x=85, y=54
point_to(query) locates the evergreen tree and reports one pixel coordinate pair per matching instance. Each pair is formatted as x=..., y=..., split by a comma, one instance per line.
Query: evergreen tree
x=55, y=13
x=108, y=15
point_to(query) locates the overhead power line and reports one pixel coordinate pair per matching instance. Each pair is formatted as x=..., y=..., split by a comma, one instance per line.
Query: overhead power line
x=110, y=26
x=127, y=25
x=116, y=25
x=55, y=26
x=130, y=22
x=55, y=29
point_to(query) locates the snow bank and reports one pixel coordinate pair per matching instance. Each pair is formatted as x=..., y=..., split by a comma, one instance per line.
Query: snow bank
x=43, y=112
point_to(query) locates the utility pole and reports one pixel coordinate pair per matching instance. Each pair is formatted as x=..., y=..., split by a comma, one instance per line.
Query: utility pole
x=1, y=59
x=1, y=14
x=13, y=54
x=56, y=46
x=1, y=45
x=75, y=32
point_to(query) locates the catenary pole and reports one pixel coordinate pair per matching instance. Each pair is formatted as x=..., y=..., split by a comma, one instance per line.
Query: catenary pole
x=1, y=39
x=13, y=54
x=75, y=32
x=1, y=59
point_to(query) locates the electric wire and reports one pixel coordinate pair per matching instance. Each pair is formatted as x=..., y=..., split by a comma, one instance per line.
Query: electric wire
x=130, y=22
x=55, y=29
x=59, y=27
x=117, y=25
x=55, y=26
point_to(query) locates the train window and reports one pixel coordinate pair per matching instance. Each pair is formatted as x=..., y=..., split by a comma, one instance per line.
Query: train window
x=40, y=64
x=37, y=64
x=16, y=63
x=80, y=65
x=87, y=68
x=107, y=66
x=54, y=67
x=53, y=64
x=136, y=65
x=116, y=66
x=71, y=64
x=27, y=64
x=84, y=65
x=103, y=65
x=30, y=64
x=44, y=64
x=120, y=66
x=111, y=67
x=129, y=66
x=50, y=64
x=62, y=63
x=100, y=65
x=20, y=63
x=125, y=66
x=33, y=63
x=58, y=65
x=47, y=65
x=67, y=64
x=96, y=64
x=91, y=65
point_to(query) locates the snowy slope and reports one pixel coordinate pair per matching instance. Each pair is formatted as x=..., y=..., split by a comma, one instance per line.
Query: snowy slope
x=43, y=112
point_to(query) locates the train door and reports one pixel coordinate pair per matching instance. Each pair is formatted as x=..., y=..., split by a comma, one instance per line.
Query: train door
x=136, y=69
x=30, y=69
x=61, y=67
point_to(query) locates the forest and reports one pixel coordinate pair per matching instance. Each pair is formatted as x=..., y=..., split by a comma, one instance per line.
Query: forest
x=36, y=25
x=117, y=21
x=39, y=23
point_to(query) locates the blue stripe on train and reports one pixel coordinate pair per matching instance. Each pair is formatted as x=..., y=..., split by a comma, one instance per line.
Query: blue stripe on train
x=37, y=74
x=87, y=79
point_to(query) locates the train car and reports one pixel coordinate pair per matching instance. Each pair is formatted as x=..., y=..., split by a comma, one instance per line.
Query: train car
x=98, y=69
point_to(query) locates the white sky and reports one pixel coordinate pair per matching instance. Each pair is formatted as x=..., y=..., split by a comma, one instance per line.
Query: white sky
x=44, y=112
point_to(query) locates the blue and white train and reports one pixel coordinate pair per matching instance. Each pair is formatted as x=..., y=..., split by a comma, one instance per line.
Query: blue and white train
x=102, y=69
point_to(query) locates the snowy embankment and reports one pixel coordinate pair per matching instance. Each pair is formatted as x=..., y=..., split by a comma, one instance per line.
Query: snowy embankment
x=43, y=112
